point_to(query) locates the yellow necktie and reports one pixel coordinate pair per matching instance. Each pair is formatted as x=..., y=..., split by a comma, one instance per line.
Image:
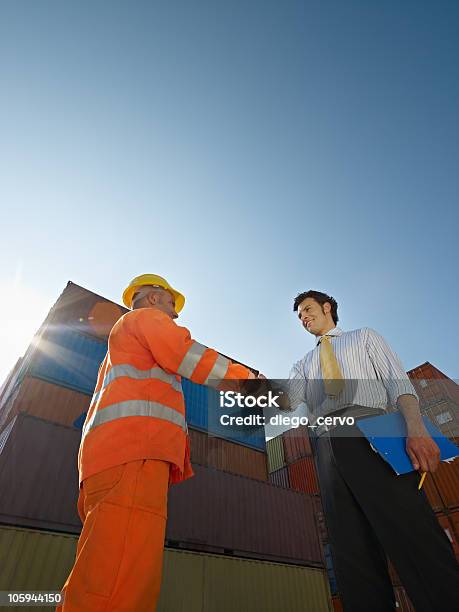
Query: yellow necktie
x=331, y=372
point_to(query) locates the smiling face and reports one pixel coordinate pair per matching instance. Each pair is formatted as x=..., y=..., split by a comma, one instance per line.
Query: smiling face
x=315, y=318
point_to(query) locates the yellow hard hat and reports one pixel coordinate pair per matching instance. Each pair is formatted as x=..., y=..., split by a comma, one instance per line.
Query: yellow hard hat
x=151, y=279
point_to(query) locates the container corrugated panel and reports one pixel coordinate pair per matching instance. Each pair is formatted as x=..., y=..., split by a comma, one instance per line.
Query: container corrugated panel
x=320, y=518
x=446, y=479
x=219, y=512
x=430, y=489
x=448, y=527
x=85, y=311
x=48, y=401
x=6, y=407
x=403, y=601
x=303, y=476
x=68, y=358
x=337, y=604
x=197, y=404
x=9, y=391
x=34, y=560
x=41, y=561
x=5, y=434
x=296, y=444
x=436, y=384
x=203, y=412
x=40, y=491
x=251, y=586
x=229, y=456
x=38, y=475
x=275, y=450
x=454, y=518
x=9, y=380
x=280, y=478
x=444, y=414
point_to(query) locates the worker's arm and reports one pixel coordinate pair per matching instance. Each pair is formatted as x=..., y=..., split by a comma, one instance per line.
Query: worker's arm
x=175, y=351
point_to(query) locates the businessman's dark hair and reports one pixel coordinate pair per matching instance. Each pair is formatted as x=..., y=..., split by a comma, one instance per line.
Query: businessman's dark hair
x=320, y=298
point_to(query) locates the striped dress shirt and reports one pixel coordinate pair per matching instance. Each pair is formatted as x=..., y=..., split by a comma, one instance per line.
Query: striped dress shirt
x=374, y=376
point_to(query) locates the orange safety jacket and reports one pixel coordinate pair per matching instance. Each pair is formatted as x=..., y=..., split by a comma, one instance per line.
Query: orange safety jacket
x=138, y=410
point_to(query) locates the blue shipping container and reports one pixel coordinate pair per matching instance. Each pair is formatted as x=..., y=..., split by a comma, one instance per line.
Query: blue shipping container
x=71, y=359
x=67, y=358
x=203, y=412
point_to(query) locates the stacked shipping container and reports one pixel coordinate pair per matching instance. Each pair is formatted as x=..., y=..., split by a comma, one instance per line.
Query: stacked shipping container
x=30, y=559
x=291, y=463
x=439, y=400
x=438, y=396
x=227, y=508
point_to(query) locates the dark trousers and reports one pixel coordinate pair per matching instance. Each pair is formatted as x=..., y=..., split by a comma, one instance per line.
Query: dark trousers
x=370, y=513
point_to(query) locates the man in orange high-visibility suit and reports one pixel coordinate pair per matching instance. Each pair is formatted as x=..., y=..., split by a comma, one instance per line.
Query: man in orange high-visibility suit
x=135, y=444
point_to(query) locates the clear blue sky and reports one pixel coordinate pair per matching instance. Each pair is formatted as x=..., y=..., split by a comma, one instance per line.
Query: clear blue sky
x=246, y=150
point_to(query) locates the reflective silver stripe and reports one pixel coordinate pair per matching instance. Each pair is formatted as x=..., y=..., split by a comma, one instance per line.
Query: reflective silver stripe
x=130, y=371
x=191, y=359
x=129, y=408
x=218, y=371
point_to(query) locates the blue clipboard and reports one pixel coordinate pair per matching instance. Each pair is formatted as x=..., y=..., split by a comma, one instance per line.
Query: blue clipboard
x=387, y=434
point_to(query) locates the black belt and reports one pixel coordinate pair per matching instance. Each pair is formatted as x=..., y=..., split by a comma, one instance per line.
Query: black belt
x=351, y=411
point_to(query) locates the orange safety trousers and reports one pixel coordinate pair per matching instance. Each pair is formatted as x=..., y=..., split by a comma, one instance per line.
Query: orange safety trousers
x=119, y=556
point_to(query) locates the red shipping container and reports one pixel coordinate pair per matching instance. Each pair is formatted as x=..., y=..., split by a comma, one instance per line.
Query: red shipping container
x=454, y=518
x=303, y=476
x=229, y=456
x=448, y=527
x=39, y=475
x=446, y=479
x=430, y=489
x=46, y=401
x=222, y=513
x=296, y=444
x=214, y=511
x=337, y=605
x=85, y=311
x=432, y=384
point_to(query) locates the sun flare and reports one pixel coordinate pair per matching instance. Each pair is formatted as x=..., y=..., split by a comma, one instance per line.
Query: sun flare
x=22, y=310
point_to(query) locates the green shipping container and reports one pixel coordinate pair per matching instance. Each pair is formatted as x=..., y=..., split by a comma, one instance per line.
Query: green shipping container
x=192, y=582
x=275, y=450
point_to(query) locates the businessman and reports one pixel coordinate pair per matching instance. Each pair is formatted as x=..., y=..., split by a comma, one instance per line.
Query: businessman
x=370, y=512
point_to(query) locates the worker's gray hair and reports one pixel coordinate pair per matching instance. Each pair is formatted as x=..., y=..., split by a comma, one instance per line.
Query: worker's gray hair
x=144, y=291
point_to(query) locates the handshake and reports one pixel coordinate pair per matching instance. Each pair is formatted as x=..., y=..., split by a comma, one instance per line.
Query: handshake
x=259, y=391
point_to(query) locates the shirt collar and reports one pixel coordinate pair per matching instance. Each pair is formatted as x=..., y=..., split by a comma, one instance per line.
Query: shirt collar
x=336, y=331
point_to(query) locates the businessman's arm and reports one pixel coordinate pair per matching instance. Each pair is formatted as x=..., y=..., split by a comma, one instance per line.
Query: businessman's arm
x=421, y=448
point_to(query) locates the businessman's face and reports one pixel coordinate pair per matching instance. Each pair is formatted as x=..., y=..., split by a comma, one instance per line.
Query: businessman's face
x=314, y=317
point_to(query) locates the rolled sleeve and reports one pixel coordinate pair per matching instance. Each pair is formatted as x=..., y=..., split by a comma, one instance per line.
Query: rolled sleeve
x=388, y=367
